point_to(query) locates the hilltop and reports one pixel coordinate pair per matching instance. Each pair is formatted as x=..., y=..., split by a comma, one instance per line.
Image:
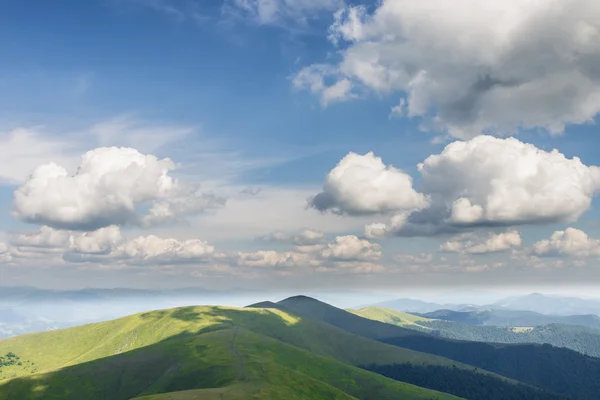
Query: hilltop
x=203, y=348
x=555, y=369
x=297, y=348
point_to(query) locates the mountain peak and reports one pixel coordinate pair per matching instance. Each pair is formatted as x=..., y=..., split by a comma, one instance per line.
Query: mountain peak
x=263, y=304
x=298, y=298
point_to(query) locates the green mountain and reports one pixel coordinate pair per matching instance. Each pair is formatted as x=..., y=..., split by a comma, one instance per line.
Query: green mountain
x=554, y=369
x=390, y=316
x=579, y=338
x=212, y=351
x=315, y=351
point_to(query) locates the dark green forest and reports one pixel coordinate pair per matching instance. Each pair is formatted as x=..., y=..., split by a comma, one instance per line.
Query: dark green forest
x=579, y=338
x=467, y=384
x=552, y=368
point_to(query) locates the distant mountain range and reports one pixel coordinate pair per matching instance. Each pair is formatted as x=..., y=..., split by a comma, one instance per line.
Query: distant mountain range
x=511, y=318
x=535, y=302
x=582, y=339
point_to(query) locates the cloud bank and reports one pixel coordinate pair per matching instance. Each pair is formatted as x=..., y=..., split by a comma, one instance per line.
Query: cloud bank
x=468, y=67
x=482, y=182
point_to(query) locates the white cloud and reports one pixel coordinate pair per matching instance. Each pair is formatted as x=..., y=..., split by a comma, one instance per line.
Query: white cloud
x=350, y=247
x=380, y=230
x=52, y=245
x=477, y=66
x=155, y=250
x=278, y=12
x=305, y=237
x=363, y=184
x=488, y=181
x=45, y=237
x=23, y=149
x=271, y=258
x=99, y=241
x=108, y=246
x=570, y=242
x=314, y=79
x=107, y=189
x=344, y=253
x=423, y=258
x=424, y=263
x=494, y=243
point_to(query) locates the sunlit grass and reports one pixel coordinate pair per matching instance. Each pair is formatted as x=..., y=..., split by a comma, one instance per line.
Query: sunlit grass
x=266, y=353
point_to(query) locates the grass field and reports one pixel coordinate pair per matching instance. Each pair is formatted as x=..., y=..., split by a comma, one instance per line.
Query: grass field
x=263, y=353
x=393, y=317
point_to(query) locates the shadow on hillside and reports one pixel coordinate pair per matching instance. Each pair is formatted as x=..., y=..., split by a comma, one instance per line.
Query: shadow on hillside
x=174, y=363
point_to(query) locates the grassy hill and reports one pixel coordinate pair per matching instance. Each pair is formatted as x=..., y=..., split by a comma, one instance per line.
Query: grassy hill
x=555, y=369
x=217, y=348
x=389, y=316
x=313, y=309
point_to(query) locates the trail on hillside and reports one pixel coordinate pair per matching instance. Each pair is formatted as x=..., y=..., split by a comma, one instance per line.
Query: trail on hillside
x=240, y=367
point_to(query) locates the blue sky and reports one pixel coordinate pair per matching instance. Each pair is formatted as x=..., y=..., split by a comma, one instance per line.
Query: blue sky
x=235, y=93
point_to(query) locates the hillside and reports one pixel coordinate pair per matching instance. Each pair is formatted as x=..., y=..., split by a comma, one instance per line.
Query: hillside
x=191, y=348
x=551, y=368
x=394, y=317
x=579, y=338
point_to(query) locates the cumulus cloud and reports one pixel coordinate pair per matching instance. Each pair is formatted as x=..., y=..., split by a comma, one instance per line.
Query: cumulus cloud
x=53, y=244
x=570, y=242
x=305, y=237
x=506, y=181
x=278, y=12
x=363, y=184
x=469, y=67
x=155, y=250
x=350, y=247
x=108, y=188
x=494, y=243
x=345, y=253
x=272, y=258
x=488, y=181
x=108, y=246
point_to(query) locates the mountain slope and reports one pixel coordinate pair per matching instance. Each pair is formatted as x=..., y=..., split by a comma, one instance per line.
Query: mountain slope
x=394, y=317
x=317, y=310
x=579, y=338
x=184, y=349
x=551, y=368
